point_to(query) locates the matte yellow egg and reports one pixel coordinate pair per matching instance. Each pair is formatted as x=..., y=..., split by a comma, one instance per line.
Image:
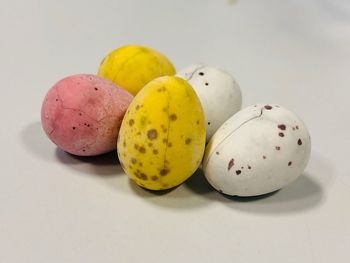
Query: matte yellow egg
x=132, y=67
x=162, y=137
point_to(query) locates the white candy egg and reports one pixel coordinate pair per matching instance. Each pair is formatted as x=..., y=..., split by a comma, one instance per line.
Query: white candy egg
x=259, y=150
x=218, y=92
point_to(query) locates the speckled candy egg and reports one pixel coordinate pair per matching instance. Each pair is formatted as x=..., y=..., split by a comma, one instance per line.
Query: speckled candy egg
x=218, y=92
x=162, y=138
x=132, y=67
x=82, y=114
x=259, y=150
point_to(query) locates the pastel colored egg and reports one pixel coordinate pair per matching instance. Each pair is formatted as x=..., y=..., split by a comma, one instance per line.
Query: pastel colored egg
x=259, y=150
x=132, y=67
x=218, y=92
x=162, y=138
x=82, y=114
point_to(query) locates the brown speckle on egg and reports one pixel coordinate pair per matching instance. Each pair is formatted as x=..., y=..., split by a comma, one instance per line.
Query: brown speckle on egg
x=173, y=117
x=164, y=172
x=152, y=134
x=282, y=127
x=141, y=175
x=142, y=149
x=230, y=164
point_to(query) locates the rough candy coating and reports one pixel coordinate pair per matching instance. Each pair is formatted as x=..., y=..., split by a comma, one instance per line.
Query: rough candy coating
x=259, y=150
x=82, y=114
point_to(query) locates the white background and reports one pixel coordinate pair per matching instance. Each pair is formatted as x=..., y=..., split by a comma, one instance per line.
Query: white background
x=57, y=208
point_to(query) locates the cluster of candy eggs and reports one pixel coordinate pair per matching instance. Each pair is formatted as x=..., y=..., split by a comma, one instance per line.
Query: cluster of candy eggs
x=165, y=126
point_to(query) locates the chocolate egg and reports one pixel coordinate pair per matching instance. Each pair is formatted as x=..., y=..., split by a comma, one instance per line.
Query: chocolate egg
x=162, y=138
x=218, y=92
x=82, y=114
x=131, y=67
x=259, y=150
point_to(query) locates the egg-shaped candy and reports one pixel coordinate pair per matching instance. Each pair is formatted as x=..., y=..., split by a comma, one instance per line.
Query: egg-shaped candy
x=131, y=67
x=260, y=149
x=218, y=92
x=82, y=114
x=162, y=138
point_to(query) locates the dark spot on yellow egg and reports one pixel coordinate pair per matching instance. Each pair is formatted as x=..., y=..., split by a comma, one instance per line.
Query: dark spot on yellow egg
x=142, y=149
x=131, y=122
x=188, y=140
x=152, y=134
x=141, y=175
x=164, y=172
x=173, y=117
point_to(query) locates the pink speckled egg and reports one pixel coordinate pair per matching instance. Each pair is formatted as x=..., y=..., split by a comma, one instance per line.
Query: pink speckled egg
x=82, y=114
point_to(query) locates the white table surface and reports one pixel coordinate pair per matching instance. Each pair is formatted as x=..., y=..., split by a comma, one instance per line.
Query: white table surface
x=57, y=208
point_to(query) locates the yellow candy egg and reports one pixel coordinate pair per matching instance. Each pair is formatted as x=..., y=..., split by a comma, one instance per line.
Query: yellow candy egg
x=132, y=67
x=162, y=137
